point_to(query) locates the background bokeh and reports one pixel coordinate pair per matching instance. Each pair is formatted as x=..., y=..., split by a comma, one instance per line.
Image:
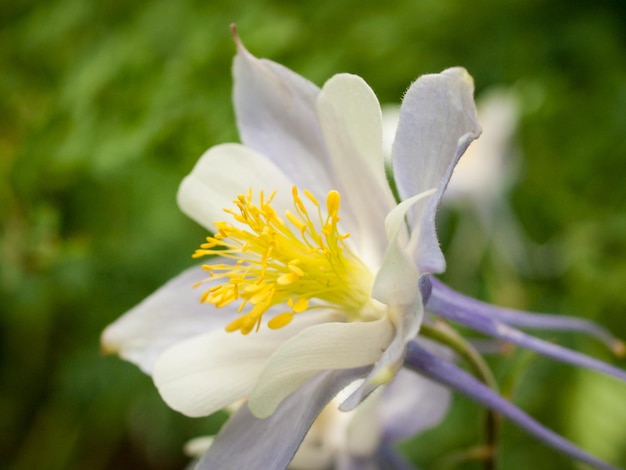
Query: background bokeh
x=106, y=105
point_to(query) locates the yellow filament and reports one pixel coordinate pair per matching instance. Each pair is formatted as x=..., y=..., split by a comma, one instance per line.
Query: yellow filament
x=276, y=262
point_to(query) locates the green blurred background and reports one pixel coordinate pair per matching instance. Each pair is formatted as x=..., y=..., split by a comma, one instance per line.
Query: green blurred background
x=106, y=105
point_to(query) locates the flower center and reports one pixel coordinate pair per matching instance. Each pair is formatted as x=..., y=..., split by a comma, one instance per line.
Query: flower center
x=278, y=262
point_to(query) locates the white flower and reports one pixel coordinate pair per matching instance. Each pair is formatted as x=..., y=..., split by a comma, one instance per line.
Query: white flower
x=318, y=308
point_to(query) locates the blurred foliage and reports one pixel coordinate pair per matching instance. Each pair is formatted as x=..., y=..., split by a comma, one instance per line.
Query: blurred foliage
x=105, y=106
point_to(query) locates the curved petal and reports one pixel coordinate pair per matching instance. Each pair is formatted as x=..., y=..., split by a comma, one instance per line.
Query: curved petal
x=422, y=361
x=171, y=314
x=391, y=116
x=397, y=279
x=327, y=346
x=224, y=172
x=350, y=118
x=209, y=372
x=250, y=442
x=276, y=116
x=406, y=320
x=437, y=122
x=396, y=285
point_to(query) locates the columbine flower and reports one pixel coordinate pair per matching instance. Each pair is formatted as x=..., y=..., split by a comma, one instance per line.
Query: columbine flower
x=317, y=277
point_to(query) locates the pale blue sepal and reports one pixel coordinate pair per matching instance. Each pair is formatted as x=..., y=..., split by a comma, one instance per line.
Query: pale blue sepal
x=249, y=442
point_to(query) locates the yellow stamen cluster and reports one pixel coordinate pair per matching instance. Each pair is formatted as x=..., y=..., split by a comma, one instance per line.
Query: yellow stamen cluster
x=277, y=263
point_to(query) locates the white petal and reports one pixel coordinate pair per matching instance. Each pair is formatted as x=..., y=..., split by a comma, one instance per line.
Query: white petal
x=396, y=285
x=276, y=116
x=224, y=172
x=207, y=373
x=437, y=122
x=171, y=314
x=247, y=442
x=326, y=346
x=396, y=281
x=406, y=319
x=391, y=116
x=350, y=117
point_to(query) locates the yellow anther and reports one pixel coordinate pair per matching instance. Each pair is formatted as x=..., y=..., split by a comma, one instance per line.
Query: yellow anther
x=233, y=326
x=295, y=269
x=300, y=305
x=332, y=203
x=297, y=201
x=287, y=279
x=294, y=220
x=261, y=295
x=280, y=320
x=312, y=198
x=252, y=288
x=273, y=264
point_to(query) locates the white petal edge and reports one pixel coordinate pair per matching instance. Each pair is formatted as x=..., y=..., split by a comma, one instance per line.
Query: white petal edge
x=396, y=285
x=396, y=281
x=224, y=172
x=276, y=116
x=209, y=372
x=406, y=320
x=173, y=313
x=351, y=122
x=322, y=347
